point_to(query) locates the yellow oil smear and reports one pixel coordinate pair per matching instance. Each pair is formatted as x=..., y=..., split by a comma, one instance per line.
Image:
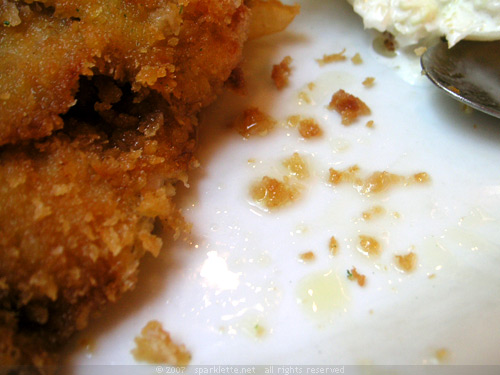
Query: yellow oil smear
x=255, y=327
x=322, y=293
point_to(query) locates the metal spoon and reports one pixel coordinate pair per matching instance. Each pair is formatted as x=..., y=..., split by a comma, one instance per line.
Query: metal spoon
x=469, y=72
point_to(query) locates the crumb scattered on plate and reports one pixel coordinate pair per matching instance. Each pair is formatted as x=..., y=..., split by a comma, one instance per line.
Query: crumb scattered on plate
x=281, y=73
x=309, y=128
x=254, y=122
x=357, y=59
x=333, y=245
x=334, y=57
x=348, y=106
x=369, y=245
x=154, y=345
x=406, y=263
x=373, y=212
x=308, y=256
x=273, y=193
x=297, y=166
x=369, y=81
x=354, y=275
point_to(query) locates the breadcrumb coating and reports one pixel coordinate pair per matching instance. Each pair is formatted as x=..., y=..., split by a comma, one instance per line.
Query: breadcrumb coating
x=98, y=105
x=79, y=211
x=183, y=49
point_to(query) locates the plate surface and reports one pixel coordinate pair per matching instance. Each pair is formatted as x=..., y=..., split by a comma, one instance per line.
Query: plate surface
x=237, y=291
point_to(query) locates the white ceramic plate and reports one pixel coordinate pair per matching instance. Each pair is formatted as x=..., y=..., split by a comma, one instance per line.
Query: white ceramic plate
x=237, y=293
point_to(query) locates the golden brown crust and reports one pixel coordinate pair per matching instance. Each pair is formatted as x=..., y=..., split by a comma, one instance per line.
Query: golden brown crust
x=80, y=205
x=77, y=214
x=165, y=45
x=38, y=75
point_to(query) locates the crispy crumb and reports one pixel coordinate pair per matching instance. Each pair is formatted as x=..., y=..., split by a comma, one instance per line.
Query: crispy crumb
x=385, y=45
x=406, y=263
x=309, y=128
x=421, y=178
x=333, y=246
x=377, y=182
x=389, y=41
x=254, y=122
x=373, y=212
x=349, y=175
x=311, y=86
x=154, y=345
x=369, y=81
x=356, y=59
x=281, y=73
x=305, y=97
x=369, y=246
x=381, y=181
x=348, y=106
x=334, y=57
x=370, y=124
x=454, y=89
x=297, y=166
x=273, y=193
x=307, y=256
x=354, y=275
x=293, y=121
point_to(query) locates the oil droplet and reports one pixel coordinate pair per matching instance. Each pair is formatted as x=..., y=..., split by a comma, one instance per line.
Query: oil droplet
x=259, y=330
x=442, y=355
x=322, y=293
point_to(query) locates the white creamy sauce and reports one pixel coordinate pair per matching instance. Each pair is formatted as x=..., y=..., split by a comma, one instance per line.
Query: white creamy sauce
x=413, y=20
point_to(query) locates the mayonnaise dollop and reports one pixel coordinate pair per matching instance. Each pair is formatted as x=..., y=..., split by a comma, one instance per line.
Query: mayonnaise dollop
x=411, y=21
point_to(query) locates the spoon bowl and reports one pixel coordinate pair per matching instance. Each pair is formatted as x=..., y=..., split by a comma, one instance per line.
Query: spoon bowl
x=469, y=72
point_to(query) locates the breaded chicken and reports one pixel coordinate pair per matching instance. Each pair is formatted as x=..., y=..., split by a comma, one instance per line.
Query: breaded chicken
x=98, y=104
x=182, y=49
x=78, y=212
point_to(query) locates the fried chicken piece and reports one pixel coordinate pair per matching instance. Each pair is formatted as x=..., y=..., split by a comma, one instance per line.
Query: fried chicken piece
x=78, y=212
x=183, y=49
x=111, y=95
